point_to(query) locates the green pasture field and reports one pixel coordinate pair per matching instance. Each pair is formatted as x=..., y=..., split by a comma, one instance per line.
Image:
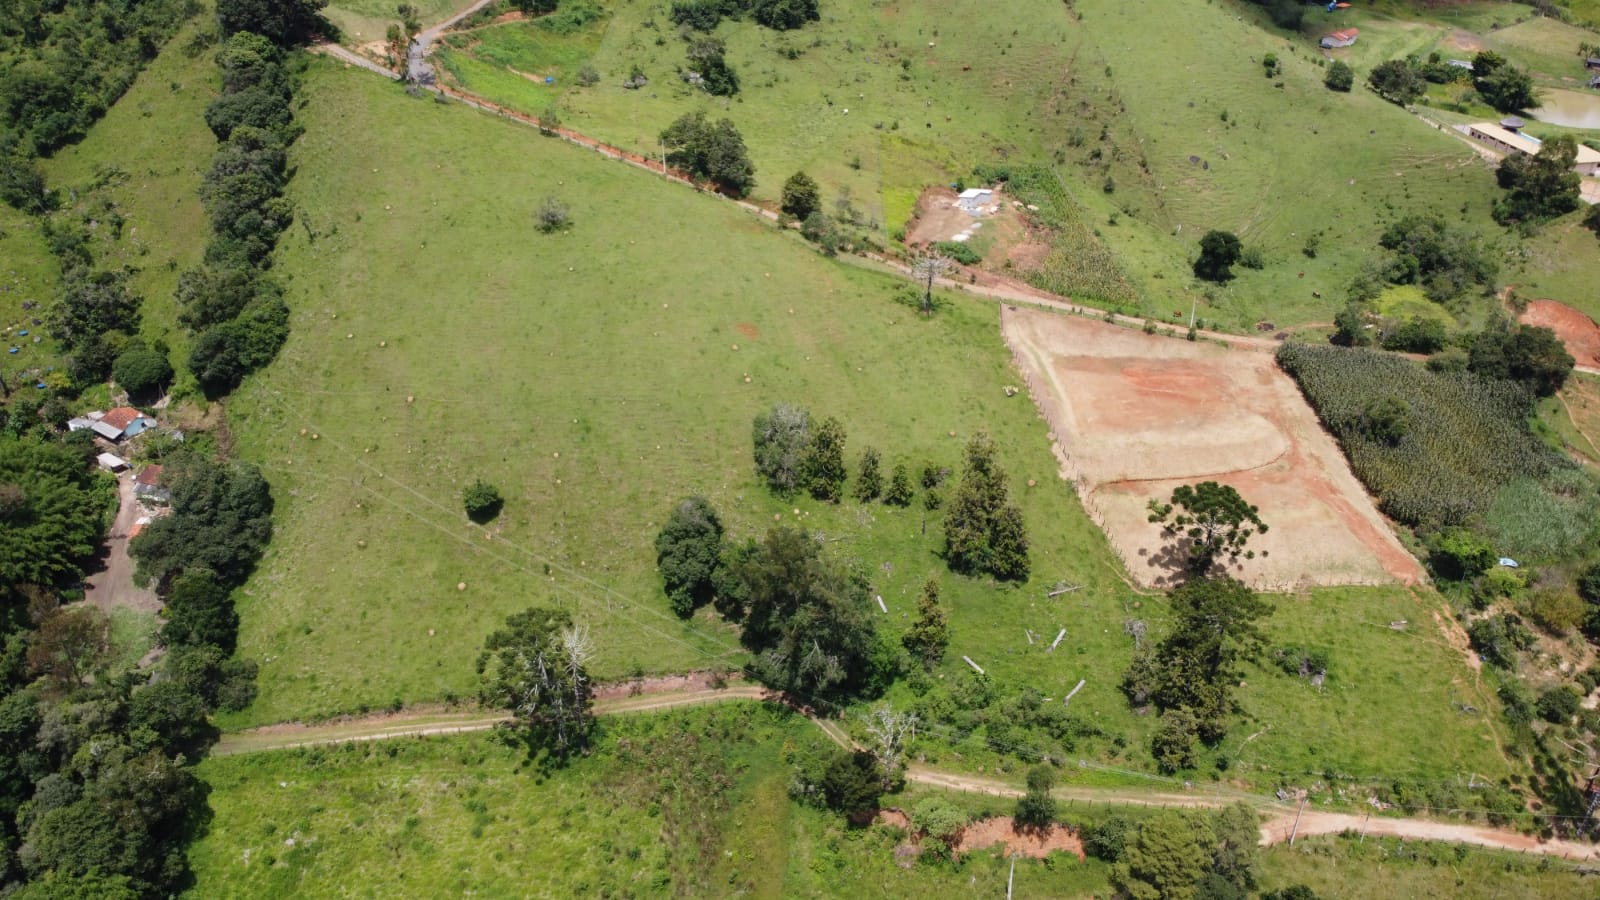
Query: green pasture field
x=1288, y=163
x=592, y=375
x=707, y=813
x=1383, y=868
x=508, y=63
x=147, y=156
x=29, y=273
x=364, y=21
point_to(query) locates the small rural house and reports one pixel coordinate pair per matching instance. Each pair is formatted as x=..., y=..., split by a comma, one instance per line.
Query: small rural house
x=121, y=422
x=147, y=484
x=1460, y=63
x=1336, y=39
x=1594, y=81
x=1592, y=62
x=973, y=200
x=1509, y=140
x=111, y=462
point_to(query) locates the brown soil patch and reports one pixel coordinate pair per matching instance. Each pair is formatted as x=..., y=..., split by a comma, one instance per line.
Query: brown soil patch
x=937, y=217
x=1576, y=330
x=1464, y=41
x=1136, y=415
x=1037, y=844
x=894, y=817
x=748, y=330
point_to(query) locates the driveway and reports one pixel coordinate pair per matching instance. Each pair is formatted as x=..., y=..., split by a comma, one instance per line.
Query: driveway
x=110, y=584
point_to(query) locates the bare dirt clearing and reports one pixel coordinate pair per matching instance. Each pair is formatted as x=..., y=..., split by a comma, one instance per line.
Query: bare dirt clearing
x=1137, y=415
x=1577, y=331
x=1034, y=843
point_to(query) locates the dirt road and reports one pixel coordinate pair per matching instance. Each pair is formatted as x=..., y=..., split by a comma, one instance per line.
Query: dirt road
x=1279, y=817
x=111, y=586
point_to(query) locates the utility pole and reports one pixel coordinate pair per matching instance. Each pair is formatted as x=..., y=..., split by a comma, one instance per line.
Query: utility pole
x=1012, y=877
x=1296, y=829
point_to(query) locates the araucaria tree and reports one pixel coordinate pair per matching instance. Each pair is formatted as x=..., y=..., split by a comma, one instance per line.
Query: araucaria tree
x=780, y=437
x=537, y=667
x=688, y=550
x=805, y=617
x=983, y=530
x=822, y=467
x=929, y=635
x=1211, y=522
x=1219, y=250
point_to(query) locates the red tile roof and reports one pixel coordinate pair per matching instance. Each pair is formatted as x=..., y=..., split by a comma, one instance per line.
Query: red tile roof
x=1345, y=35
x=150, y=475
x=121, y=417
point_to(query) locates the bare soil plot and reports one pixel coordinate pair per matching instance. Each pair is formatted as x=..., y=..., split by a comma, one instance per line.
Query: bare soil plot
x=1576, y=330
x=1136, y=415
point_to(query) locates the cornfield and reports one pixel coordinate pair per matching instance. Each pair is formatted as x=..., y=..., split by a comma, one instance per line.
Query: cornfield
x=1078, y=264
x=1466, y=437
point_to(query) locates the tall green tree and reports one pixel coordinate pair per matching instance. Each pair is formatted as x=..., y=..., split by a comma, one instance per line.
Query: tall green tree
x=52, y=513
x=899, y=491
x=869, y=480
x=929, y=634
x=983, y=530
x=221, y=520
x=285, y=23
x=1531, y=354
x=804, y=616
x=1339, y=77
x=801, y=196
x=1037, y=808
x=1194, y=667
x=1397, y=81
x=780, y=437
x=688, y=551
x=710, y=151
x=537, y=667
x=1165, y=860
x=1541, y=186
x=1507, y=89
x=822, y=467
x=1219, y=250
x=1212, y=524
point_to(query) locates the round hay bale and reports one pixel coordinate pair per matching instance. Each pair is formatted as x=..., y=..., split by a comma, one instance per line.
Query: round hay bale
x=411, y=398
x=461, y=585
x=302, y=432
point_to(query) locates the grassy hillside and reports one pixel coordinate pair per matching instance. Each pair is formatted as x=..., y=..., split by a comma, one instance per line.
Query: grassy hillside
x=144, y=161
x=459, y=815
x=593, y=375
x=1381, y=868
x=29, y=274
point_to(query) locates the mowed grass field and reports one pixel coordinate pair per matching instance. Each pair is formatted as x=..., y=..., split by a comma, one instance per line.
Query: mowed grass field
x=599, y=375
x=690, y=803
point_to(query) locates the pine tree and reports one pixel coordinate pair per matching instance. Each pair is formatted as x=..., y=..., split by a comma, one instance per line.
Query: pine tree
x=930, y=633
x=822, y=468
x=899, y=492
x=869, y=484
x=983, y=531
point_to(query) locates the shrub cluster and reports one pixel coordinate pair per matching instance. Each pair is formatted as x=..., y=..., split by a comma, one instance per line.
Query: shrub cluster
x=779, y=15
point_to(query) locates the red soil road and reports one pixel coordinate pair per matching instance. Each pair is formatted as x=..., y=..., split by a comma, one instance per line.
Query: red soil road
x=1576, y=330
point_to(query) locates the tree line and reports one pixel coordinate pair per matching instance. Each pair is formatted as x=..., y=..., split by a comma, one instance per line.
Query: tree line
x=230, y=303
